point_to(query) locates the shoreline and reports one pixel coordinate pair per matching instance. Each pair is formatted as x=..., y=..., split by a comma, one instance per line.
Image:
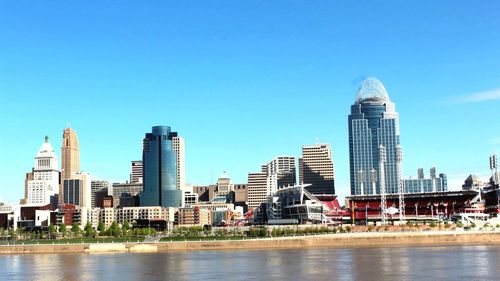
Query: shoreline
x=345, y=240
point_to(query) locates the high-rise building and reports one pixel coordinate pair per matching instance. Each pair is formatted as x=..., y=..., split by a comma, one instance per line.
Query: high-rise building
x=125, y=190
x=373, y=123
x=431, y=184
x=136, y=171
x=258, y=189
x=70, y=158
x=95, y=187
x=278, y=173
x=43, y=183
x=316, y=168
x=77, y=190
x=178, y=147
x=70, y=154
x=159, y=162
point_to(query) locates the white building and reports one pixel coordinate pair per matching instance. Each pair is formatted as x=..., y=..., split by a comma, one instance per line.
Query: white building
x=132, y=214
x=276, y=174
x=178, y=147
x=44, y=187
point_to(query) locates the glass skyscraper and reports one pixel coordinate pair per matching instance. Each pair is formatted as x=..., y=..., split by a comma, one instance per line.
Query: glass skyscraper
x=373, y=123
x=159, y=166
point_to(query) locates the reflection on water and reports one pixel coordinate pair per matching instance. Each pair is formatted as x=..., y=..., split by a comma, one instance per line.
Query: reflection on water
x=391, y=263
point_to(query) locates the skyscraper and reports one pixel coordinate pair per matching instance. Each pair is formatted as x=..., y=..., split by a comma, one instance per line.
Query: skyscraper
x=316, y=168
x=278, y=173
x=136, y=172
x=43, y=187
x=159, y=162
x=373, y=123
x=178, y=147
x=70, y=154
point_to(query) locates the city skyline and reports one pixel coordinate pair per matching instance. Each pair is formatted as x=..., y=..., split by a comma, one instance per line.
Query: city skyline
x=230, y=98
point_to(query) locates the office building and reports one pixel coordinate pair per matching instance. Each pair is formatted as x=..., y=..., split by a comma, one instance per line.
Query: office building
x=316, y=169
x=95, y=187
x=70, y=154
x=77, y=190
x=136, y=171
x=421, y=184
x=43, y=182
x=374, y=123
x=178, y=148
x=70, y=157
x=159, y=162
x=125, y=190
x=276, y=174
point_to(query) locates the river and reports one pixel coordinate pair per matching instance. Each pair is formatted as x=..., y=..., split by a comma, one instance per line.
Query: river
x=387, y=263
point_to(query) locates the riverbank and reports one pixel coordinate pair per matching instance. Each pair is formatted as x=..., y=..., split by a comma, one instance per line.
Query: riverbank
x=367, y=239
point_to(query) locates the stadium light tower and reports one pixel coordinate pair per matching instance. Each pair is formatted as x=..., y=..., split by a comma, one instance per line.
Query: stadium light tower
x=494, y=168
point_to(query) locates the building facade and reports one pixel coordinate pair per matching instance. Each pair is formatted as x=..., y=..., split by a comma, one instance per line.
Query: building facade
x=422, y=184
x=276, y=174
x=95, y=187
x=43, y=183
x=160, y=170
x=136, y=171
x=316, y=168
x=121, y=190
x=374, y=123
x=77, y=190
x=178, y=148
x=70, y=157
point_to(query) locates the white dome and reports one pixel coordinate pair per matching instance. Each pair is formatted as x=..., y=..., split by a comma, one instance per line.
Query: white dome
x=372, y=90
x=46, y=150
x=224, y=175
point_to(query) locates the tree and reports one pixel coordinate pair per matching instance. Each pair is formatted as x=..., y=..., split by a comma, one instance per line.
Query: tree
x=125, y=227
x=101, y=228
x=88, y=229
x=75, y=229
x=63, y=229
x=52, y=231
x=115, y=230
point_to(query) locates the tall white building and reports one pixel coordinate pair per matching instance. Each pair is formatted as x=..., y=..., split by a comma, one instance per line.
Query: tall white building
x=178, y=147
x=279, y=172
x=136, y=171
x=44, y=186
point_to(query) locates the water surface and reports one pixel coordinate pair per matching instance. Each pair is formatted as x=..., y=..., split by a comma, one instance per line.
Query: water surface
x=391, y=263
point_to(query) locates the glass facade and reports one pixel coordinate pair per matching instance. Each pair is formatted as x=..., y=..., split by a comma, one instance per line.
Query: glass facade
x=159, y=169
x=419, y=185
x=373, y=122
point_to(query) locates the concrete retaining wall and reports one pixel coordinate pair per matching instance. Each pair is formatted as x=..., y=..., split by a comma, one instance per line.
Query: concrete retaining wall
x=332, y=240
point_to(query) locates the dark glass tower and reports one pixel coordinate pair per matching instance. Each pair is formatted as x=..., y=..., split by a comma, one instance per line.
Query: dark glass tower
x=159, y=168
x=373, y=122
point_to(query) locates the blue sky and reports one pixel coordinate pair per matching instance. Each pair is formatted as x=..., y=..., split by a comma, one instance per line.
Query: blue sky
x=245, y=81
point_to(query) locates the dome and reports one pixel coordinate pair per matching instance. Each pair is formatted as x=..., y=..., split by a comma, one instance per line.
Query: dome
x=224, y=175
x=46, y=150
x=372, y=90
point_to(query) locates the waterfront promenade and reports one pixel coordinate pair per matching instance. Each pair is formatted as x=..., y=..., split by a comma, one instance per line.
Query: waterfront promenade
x=364, y=239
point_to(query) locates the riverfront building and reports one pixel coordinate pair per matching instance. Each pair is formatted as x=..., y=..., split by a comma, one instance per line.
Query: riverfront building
x=159, y=161
x=316, y=169
x=43, y=183
x=374, y=124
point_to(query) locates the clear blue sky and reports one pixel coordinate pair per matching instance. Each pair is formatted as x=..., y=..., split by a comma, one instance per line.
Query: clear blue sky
x=245, y=81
